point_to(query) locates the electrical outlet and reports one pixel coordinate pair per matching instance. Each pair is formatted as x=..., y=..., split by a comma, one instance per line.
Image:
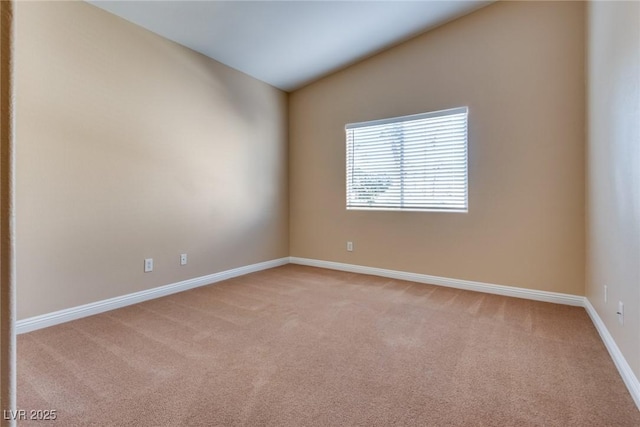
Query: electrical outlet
x=350, y=246
x=148, y=265
x=183, y=259
x=620, y=312
x=606, y=289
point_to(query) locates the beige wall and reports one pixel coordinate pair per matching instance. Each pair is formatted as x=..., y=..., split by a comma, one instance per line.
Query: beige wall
x=131, y=146
x=613, y=171
x=520, y=69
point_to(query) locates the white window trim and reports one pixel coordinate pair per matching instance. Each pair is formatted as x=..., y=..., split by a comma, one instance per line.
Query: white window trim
x=400, y=119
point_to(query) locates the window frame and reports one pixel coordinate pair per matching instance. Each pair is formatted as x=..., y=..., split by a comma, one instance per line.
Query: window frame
x=400, y=119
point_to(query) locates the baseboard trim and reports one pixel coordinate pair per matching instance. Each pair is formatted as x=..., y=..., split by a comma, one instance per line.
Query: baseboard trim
x=629, y=378
x=66, y=315
x=510, y=291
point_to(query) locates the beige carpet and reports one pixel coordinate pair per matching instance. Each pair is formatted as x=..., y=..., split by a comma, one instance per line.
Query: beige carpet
x=300, y=346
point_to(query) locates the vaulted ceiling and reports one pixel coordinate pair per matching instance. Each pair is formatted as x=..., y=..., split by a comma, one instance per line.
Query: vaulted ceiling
x=288, y=44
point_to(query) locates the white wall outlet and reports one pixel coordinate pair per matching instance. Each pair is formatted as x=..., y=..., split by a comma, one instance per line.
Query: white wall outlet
x=350, y=246
x=620, y=312
x=148, y=265
x=183, y=259
x=606, y=289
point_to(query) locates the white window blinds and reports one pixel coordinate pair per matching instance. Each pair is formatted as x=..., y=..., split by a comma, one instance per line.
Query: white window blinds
x=416, y=162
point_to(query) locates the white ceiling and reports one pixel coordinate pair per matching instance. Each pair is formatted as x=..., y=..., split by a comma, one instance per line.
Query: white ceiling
x=288, y=43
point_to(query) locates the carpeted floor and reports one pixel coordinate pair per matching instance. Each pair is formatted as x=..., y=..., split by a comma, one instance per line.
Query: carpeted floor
x=301, y=346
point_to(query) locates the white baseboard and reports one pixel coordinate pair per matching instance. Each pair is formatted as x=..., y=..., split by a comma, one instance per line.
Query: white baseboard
x=57, y=317
x=629, y=378
x=468, y=285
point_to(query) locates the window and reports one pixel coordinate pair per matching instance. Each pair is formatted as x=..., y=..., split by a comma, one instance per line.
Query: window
x=414, y=163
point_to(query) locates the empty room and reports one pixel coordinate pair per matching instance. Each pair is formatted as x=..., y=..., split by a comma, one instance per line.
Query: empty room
x=320, y=213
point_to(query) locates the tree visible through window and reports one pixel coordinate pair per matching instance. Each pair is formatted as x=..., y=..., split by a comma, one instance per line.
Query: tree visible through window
x=414, y=162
